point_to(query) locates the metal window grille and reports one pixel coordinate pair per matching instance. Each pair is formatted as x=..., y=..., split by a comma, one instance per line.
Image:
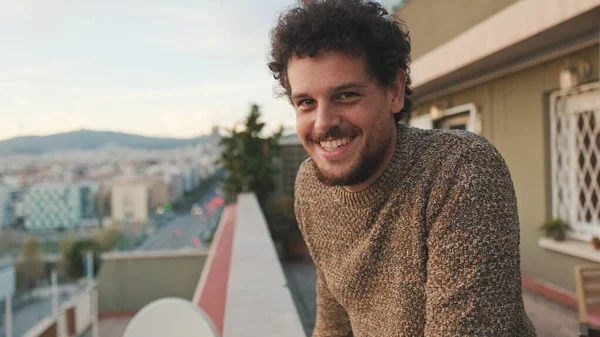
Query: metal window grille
x=575, y=149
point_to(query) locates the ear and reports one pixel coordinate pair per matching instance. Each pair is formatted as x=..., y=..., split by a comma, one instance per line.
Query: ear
x=397, y=91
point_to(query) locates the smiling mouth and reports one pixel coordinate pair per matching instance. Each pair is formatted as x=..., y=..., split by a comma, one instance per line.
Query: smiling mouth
x=335, y=144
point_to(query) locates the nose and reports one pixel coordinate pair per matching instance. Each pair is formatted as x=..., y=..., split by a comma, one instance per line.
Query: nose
x=326, y=118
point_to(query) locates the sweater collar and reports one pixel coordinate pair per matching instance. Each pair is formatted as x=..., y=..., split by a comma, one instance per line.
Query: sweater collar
x=386, y=182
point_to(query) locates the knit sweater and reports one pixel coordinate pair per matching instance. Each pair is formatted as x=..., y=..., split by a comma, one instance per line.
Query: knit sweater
x=431, y=248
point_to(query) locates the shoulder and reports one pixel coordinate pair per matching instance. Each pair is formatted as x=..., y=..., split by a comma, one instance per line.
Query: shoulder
x=307, y=183
x=305, y=172
x=447, y=140
x=472, y=168
x=453, y=149
x=472, y=186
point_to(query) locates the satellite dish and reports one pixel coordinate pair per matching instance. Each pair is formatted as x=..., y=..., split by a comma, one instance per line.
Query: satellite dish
x=172, y=317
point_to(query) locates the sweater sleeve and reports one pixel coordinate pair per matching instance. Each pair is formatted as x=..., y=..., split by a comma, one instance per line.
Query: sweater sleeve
x=473, y=270
x=332, y=319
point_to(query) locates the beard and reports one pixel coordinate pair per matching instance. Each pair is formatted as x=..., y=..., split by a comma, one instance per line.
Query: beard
x=367, y=161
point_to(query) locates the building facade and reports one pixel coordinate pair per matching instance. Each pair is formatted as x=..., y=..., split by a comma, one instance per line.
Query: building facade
x=7, y=207
x=129, y=203
x=159, y=194
x=175, y=180
x=191, y=178
x=525, y=75
x=7, y=280
x=57, y=206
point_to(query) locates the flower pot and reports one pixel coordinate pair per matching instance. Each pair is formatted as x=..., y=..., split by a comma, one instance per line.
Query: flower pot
x=294, y=250
x=596, y=243
x=558, y=235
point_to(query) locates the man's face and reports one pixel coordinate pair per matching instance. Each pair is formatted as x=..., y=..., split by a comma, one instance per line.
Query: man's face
x=344, y=117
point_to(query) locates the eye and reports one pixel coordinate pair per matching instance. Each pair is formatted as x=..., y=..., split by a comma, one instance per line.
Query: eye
x=348, y=95
x=306, y=102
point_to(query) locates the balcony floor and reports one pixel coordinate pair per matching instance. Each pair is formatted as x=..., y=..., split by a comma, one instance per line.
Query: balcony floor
x=550, y=319
x=111, y=327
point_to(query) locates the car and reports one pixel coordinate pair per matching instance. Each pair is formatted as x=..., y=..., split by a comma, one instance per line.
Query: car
x=196, y=210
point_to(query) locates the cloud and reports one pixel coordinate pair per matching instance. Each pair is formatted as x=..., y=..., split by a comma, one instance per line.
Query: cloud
x=153, y=95
x=31, y=72
x=166, y=67
x=243, y=44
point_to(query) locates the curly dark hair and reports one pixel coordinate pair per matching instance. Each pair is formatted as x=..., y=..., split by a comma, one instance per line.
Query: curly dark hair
x=357, y=27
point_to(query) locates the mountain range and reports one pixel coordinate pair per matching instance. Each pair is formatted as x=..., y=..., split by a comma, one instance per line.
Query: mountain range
x=90, y=140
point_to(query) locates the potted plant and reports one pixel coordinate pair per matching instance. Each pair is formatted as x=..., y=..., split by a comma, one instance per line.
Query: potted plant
x=596, y=243
x=284, y=228
x=556, y=228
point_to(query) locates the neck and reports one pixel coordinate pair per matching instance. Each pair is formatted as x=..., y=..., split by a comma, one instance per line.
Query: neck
x=384, y=164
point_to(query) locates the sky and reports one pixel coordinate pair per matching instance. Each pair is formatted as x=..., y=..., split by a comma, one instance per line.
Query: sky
x=159, y=68
x=171, y=68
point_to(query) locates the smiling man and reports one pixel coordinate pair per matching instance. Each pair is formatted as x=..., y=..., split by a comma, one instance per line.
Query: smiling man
x=413, y=232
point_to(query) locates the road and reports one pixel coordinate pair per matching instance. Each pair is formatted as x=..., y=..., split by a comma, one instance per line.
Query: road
x=179, y=233
x=183, y=231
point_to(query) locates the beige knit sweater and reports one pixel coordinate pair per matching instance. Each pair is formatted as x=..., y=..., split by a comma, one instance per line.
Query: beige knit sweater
x=430, y=249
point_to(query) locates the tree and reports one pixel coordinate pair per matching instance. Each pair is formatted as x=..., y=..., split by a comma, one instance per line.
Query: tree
x=76, y=258
x=65, y=242
x=108, y=238
x=4, y=245
x=30, y=268
x=249, y=159
x=64, y=245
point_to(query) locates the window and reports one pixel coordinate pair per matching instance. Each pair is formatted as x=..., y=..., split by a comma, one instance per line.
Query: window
x=462, y=117
x=575, y=155
x=292, y=155
x=421, y=122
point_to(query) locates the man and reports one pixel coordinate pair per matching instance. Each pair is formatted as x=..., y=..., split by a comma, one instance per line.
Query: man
x=413, y=232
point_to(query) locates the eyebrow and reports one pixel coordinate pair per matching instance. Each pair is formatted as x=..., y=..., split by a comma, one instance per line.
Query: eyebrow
x=353, y=85
x=346, y=86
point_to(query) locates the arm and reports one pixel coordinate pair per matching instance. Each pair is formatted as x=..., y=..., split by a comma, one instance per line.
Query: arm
x=473, y=270
x=332, y=319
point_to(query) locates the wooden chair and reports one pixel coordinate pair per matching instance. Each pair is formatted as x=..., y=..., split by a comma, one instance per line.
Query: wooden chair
x=587, y=282
x=586, y=331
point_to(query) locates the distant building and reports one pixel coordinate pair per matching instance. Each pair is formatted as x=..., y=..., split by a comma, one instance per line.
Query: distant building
x=57, y=206
x=14, y=181
x=292, y=155
x=89, y=196
x=176, y=182
x=159, y=194
x=190, y=178
x=7, y=214
x=129, y=203
x=202, y=172
x=103, y=203
x=18, y=200
x=215, y=132
x=7, y=280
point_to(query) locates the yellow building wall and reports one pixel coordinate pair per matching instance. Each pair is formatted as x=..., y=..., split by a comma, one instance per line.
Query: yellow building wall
x=515, y=118
x=434, y=22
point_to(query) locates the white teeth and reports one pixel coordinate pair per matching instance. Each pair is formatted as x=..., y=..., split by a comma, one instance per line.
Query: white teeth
x=330, y=145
